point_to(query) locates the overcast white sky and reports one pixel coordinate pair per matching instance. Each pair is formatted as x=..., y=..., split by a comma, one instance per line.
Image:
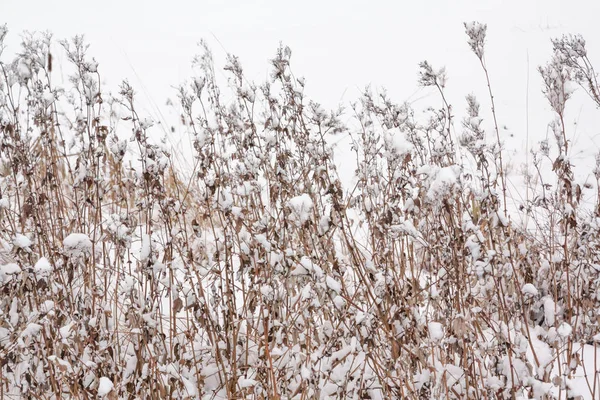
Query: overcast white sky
x=338, y=46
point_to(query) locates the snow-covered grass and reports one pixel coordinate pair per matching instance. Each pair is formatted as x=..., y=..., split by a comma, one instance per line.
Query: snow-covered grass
x=259, y=273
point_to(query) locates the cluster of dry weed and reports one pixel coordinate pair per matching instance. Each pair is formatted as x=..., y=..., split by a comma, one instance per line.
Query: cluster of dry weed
x=257, y=274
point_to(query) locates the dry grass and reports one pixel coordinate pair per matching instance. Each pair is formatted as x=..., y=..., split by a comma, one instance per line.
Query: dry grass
x=260, y=275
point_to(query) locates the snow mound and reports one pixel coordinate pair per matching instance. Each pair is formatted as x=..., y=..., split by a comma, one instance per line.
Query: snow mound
x=42, y=267
x=77, y=245
x=436, y=331
x=301, y=207
x=529, y=289
x=105, y=386
x=7, y=271
x=22, y=242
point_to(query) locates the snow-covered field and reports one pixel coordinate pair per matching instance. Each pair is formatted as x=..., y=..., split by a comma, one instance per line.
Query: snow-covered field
x=231, y=238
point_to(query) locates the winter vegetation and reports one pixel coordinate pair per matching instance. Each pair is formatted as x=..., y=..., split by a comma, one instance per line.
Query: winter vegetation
x=254, y=272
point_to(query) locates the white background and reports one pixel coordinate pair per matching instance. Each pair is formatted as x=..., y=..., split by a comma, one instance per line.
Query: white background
x=339, y=47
